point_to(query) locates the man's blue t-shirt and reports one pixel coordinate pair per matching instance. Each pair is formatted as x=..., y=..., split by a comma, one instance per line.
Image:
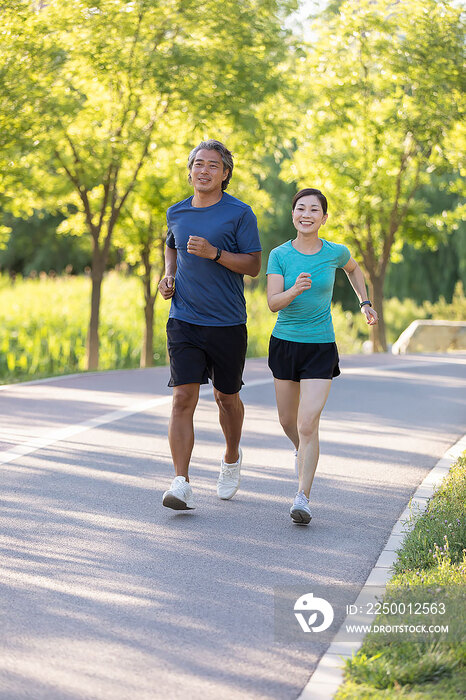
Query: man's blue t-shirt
x=307, y=319
x=206, y=293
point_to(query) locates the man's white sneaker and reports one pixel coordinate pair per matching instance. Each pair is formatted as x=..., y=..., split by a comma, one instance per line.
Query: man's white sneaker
x=179, y=496
x=300, y=511
x=229, y=478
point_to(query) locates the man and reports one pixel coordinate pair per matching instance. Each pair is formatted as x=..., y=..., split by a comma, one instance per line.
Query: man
x=212, y=242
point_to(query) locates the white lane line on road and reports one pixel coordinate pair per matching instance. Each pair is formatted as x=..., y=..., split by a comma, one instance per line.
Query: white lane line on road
x=328, y=675
x=61, y=434
x=50, y=379
x=376, y=369
x=38, y=443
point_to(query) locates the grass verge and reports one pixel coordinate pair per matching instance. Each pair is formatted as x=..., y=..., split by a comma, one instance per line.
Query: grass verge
x=433, y=555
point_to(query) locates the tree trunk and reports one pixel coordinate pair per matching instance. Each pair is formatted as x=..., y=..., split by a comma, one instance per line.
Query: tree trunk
x=147, y=354
x=147, y=351
x=378, y=335
x=97, y=274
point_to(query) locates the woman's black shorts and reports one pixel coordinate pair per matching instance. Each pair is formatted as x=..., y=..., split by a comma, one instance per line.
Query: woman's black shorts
x=199, y=353
x=296, y=361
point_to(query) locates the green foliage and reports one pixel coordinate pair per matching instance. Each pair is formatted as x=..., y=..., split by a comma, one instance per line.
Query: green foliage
x=101, y=101
x=425, y=272
x=374, y=116
x=260, y=323
x=277, y=225
x=44, y=323
x=456, y=311
x=406, y=665
x=350, y=329
x=447, y=687
x=130, y=78
x=35, y=246
x=438, y=536
x=399, y=314
x=377, y=121
x=113, y=83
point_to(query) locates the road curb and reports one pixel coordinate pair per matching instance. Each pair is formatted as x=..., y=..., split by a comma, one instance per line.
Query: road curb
x=328, y=675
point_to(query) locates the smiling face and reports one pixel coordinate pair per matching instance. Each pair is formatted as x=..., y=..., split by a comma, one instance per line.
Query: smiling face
x=308, y=215
x=207, y=172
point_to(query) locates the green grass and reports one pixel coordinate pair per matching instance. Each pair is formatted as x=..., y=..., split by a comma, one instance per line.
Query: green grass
x=43, y=326
x=433, y=555
x=438, y=535
x=445, y=688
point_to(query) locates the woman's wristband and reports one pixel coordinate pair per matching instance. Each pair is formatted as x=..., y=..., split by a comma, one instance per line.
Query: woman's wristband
x=364, y=303
x=219, y=252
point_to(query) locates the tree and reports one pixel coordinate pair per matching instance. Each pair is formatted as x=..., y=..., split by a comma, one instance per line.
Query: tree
x=34, y=246
x=426, y=272
x=122, y=72
x=382, y=92
x=19, y=93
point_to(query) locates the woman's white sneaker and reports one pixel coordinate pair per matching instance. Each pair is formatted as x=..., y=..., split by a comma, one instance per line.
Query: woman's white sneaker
x=179, y=496
x=229, y=478
x=300, y=511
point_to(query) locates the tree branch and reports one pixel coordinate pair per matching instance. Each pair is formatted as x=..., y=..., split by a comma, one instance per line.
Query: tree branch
x=83, y=194
x=362, y=251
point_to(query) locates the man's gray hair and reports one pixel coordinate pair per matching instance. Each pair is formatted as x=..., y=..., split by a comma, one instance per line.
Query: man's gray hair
x=213, y=145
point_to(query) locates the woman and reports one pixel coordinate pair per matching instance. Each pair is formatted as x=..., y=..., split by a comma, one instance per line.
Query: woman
x=303, y=355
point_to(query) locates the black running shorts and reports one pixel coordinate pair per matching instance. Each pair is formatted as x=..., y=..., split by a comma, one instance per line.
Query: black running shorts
x=296, y=361
x=199, y=353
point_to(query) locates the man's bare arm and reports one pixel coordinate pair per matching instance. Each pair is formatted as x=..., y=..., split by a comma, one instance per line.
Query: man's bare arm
x=243, y=263
x=167, y=283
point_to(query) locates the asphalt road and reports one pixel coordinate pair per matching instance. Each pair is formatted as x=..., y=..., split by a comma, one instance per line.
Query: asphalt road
x=107, y=595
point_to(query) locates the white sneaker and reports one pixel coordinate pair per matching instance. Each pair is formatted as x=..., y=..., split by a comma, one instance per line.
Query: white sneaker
x=229, y=478
x=179, y=496
x=296, y=471
x=300, y=511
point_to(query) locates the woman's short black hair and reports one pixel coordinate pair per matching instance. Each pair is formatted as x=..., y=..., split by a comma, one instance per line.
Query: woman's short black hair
x=310, y=190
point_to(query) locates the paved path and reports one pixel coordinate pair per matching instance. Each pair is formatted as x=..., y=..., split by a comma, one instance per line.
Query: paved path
x=106, y=595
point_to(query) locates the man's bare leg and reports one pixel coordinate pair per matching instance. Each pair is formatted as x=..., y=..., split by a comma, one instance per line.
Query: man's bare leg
x=181, y=427
x=231, y=416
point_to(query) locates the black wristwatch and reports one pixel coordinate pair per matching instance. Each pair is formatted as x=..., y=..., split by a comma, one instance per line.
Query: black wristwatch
x=219, y=252
x=364, y=303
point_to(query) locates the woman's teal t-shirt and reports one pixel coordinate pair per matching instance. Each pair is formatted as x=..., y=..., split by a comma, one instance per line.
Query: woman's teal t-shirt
x=307, y=319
